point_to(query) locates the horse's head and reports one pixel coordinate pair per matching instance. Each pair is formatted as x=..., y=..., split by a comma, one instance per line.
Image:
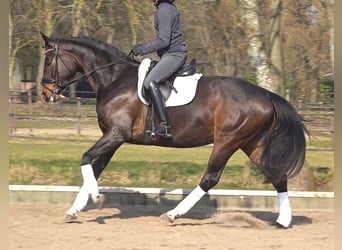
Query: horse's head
x=59, y=66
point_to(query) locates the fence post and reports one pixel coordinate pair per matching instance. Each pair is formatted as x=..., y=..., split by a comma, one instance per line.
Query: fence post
x=12, y=114
x=332, y=131
x=79, y=114
x=30, y=108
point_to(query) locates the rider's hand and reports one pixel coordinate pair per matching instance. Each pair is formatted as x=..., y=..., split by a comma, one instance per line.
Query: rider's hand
x=136, y=50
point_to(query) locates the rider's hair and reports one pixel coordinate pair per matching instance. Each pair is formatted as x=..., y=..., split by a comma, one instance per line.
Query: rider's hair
x=170, y=1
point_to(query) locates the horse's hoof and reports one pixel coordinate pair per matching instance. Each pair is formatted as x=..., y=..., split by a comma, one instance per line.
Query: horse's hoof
x=284, y=221
x=70, y=218
x=276, y=224
x=99, y=200
x=167, y=217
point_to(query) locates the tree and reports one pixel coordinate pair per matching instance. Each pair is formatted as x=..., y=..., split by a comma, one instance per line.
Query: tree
x=19, y=38
x=330, y=16
x=306, y=45
x=275, y=53
x=45, y=20
x=256, y=50
x=276, y=44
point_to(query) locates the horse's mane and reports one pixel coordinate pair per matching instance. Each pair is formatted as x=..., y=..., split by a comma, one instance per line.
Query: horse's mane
x=115, y=52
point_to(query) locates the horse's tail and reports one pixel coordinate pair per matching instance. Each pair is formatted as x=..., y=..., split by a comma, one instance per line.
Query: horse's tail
x=285, y=145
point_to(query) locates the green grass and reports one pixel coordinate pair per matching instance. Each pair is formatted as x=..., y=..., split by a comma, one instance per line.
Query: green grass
x=56, y=162
x=53, y=162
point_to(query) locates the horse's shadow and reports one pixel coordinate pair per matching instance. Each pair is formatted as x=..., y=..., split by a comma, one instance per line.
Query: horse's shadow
x=206, y=208
x=197, y=216
x=143, y=206
x=270, y=218
x=126, y=212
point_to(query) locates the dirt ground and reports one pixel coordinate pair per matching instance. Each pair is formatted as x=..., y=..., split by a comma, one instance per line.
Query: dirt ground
x=41, y=227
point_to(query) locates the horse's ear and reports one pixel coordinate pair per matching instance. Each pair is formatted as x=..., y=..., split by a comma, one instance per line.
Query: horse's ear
x=48, y=40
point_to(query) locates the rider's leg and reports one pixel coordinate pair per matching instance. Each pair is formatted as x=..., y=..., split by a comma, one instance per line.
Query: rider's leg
x=159, y=105
x=167, y=65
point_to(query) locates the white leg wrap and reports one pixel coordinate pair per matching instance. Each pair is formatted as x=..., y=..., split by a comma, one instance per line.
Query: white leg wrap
x=89, y=181
x=80, y=202
x=81, y=199
x=185, y=205
x=285, y=213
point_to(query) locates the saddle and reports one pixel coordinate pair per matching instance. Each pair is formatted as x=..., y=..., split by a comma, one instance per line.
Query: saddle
x=166, y=87
x=178, y=90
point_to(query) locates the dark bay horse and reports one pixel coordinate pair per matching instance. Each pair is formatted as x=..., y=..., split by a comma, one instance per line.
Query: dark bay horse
x=229, y=112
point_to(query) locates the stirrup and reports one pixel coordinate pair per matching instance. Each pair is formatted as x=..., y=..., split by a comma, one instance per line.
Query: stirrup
x=163, y=131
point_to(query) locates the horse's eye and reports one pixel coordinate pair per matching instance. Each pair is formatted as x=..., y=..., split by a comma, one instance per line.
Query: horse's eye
x=48, y=60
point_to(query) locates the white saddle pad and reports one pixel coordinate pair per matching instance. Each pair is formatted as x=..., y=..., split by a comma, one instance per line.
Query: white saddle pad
x=185, y=85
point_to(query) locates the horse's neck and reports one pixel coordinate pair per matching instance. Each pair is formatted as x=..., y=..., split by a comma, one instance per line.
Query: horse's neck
x=110, y=75
x=98, y=71
x=101, y=64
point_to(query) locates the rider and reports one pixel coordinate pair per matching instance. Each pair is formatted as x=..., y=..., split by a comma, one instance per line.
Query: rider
x=171, y=48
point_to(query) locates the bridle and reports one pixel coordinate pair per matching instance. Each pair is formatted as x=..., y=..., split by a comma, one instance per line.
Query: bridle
x=59, y=86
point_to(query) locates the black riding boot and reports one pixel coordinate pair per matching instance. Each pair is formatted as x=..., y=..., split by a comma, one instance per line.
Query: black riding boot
x=164, y=128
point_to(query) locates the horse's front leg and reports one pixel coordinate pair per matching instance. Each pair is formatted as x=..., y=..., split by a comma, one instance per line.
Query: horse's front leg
x=93, y=163
x=83, y=196
x=211, y=177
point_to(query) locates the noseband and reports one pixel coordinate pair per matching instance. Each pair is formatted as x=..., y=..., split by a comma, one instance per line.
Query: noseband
x=58, y=86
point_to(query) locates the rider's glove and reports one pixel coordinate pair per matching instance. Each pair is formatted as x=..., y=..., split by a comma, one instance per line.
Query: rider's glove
x=137, y=50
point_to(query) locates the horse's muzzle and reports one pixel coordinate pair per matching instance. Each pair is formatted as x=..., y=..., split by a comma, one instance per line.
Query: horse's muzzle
x=45, y=99
x=52, y=98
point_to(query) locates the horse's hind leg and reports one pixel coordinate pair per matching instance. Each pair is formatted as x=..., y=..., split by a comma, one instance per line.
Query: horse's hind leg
x=211, y=177
x=285, y=212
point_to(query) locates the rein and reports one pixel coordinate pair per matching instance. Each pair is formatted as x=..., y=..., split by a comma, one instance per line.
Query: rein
x=61, y=86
